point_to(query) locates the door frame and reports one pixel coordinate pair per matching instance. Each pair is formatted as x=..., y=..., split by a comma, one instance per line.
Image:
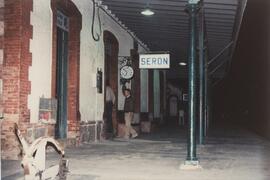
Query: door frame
x=62, y=75
x=73, y=87
x=112, y=75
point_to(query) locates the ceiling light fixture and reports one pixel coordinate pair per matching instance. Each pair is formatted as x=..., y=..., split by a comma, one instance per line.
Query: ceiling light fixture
x=147, y=12
x=182, y=64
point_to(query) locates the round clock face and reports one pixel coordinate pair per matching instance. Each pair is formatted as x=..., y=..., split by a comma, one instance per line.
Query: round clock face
x=127, y=72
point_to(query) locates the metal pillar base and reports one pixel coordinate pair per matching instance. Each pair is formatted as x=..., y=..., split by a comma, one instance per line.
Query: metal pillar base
x=190, y=165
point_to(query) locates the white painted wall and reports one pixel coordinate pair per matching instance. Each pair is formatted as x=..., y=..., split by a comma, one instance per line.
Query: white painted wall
x=91, y=58
x=144, y=84
x=125, y=44
x=41, y=49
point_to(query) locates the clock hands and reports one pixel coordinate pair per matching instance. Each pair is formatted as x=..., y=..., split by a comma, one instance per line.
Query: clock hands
x=125, y=72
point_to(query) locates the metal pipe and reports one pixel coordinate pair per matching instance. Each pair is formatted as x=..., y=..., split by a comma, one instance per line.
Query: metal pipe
x=219, y=54
x=210, y=104
x=240, y=13
x=191, y=149
x=206, y=52
x=206, y=95
x=219, y=66
x=202, y=77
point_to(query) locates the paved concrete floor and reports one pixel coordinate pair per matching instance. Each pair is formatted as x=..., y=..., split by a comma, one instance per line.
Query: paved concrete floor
x=227, y=155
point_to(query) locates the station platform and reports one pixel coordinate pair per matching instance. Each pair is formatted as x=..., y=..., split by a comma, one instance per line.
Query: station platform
x=233, y=154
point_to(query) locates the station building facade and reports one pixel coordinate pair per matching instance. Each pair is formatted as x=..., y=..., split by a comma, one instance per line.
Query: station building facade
x=54, y=61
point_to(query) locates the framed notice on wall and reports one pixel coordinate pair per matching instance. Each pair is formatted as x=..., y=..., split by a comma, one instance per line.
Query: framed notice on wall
x=47, y=110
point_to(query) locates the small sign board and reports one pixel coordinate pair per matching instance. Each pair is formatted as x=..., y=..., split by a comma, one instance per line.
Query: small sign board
x=47, y=110
x=154, y=61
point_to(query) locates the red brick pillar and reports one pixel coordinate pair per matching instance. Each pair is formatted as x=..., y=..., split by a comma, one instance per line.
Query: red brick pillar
x=1, y=54
x=17, y=60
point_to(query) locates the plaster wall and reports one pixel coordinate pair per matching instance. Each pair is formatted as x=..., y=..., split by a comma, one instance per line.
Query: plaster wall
x=41, y=48
x=91, y=58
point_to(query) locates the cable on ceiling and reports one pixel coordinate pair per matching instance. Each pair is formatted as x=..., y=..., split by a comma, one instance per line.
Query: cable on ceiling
x=97, y=36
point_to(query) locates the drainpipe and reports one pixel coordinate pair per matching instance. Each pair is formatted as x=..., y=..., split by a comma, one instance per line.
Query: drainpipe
x=191, y=148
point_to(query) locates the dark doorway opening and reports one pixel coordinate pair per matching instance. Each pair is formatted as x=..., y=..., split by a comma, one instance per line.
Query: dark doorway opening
x=111, y=76
x=62, y=82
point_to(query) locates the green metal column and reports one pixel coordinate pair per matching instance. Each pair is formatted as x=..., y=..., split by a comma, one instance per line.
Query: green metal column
x=191, y=149
x=202, y=78
x=206, y=96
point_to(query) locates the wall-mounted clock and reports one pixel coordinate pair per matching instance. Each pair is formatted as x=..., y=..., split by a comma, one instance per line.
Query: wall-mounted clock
x=126, y=72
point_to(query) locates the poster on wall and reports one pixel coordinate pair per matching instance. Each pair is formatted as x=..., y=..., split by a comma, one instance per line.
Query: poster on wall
x=47, y=110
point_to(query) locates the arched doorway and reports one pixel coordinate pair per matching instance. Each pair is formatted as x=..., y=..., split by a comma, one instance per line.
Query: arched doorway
x=67, y=24
x=111, y=47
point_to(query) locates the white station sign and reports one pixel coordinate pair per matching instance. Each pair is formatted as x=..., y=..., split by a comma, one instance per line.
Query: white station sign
x=154, y=61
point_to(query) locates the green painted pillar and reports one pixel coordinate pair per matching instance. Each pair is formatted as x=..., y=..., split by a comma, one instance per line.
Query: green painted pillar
x=191, y=148
x=201, y=78
x=206, y=96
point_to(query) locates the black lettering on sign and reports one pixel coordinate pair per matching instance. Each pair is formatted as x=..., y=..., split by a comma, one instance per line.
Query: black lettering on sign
x=142, y=61
x=148, y=61
x=165, y=60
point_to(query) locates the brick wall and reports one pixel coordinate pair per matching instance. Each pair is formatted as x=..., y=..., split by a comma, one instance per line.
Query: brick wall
x=15, y=69
x=17, y=60
x=1, y=54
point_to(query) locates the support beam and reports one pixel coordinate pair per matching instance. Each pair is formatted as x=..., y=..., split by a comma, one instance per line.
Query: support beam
x=206, y=96
x=202, y=76
x=192, y=160
x=220, y=53
x=221, y=64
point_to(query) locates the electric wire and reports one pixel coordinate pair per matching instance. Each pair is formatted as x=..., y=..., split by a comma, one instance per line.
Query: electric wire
x=132, y=35
x=93, y=21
